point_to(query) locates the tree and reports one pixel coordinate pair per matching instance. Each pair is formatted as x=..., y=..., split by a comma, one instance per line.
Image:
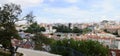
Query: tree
x=40, y=39
x=42, y=29
x=65, y=29
x=31, y=18
x=62, y=28
x=86, y=30
x=9, y=15
x=79, y=48
x=76, y=30
x=34, y=28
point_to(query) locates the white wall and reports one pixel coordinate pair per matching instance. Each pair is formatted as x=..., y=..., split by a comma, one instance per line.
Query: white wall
x=119, y=45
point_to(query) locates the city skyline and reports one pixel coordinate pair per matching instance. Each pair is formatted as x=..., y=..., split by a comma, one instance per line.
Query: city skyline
x=70, y=11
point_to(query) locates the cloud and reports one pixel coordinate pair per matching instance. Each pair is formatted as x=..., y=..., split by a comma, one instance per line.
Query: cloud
x=23, y=3
x=69, y=14
x=49, y=20
x=72, y=10
x=75, y=13
x=104, y=5
x=3, y=1
x=71, y=1
x=51, y=0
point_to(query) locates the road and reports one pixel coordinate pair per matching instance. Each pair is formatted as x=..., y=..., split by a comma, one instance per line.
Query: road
x=29, y=52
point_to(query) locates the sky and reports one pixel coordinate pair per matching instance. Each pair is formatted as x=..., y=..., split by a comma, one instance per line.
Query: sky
x=66, y=11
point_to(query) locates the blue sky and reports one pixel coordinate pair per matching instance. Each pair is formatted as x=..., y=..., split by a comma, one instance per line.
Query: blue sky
x=65, y=11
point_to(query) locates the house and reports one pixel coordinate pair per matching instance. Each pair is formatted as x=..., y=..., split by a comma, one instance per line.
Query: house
x=27, y=41
x=105, y=38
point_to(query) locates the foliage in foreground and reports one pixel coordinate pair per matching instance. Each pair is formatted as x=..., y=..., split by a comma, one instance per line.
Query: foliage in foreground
x=79, y=48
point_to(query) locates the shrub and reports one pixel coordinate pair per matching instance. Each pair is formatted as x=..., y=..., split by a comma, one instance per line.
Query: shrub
x=79, y=48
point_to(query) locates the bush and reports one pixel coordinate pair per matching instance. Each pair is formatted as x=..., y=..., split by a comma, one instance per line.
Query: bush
x=79, y=48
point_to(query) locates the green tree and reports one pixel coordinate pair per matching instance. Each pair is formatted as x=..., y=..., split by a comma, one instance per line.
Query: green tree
x=42, y=29
x=76, y=30
x=40, y=39
x=30, y=18
x=65, y=29
x=86, y=30
x=76, y=48
x=9, y=15
x=34, y=28
x=62, y=28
